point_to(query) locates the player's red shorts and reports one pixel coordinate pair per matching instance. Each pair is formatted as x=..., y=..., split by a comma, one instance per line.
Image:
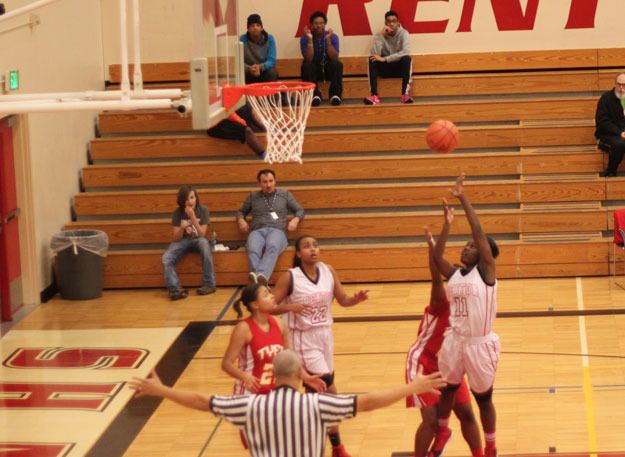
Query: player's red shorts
x=430, y=365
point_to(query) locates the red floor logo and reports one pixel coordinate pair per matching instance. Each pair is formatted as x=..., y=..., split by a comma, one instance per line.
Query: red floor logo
x=91, y=358
x=35, y=449
x=81, y=396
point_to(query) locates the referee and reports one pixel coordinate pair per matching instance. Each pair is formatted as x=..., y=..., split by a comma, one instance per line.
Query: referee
x=285, y=422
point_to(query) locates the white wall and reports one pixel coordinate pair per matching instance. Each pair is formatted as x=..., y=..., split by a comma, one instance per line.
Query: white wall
x=64, y=53
x=167, y=26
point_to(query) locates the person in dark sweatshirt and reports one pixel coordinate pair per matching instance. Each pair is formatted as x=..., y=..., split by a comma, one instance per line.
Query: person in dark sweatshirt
x=390, y=58
x=610, y=125
x=259, y=52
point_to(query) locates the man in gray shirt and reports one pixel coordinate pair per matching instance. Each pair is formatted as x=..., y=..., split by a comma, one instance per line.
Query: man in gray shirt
x=390, y=58
x=269, y=208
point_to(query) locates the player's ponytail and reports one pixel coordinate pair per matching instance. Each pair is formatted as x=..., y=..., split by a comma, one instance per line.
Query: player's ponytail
x=248, y=295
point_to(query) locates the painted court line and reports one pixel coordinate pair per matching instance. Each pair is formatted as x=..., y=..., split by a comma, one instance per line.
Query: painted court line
x=588, y=402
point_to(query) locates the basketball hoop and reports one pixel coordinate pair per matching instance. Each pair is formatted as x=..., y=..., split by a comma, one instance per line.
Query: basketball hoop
x=283, y=108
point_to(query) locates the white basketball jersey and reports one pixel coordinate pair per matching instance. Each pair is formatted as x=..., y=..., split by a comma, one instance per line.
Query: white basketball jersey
x=316, y=296
x=473, y=303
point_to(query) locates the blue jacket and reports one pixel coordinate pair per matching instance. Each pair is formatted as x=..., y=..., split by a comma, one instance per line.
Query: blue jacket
x=255, y=54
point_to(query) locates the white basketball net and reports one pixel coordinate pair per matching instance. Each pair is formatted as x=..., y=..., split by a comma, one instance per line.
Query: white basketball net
x=284, y=115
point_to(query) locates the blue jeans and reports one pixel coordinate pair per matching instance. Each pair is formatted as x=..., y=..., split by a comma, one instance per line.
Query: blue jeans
x=176, y=251
x=264, y=245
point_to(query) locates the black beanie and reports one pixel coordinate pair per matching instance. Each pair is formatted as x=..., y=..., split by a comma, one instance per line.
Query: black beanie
x=254, y=19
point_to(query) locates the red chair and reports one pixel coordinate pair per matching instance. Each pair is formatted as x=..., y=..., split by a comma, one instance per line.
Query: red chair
x=619, y=240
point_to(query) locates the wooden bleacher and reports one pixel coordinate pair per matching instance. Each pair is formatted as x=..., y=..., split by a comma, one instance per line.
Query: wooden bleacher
x=526, y=125
x=353, y=141
x=475, y=110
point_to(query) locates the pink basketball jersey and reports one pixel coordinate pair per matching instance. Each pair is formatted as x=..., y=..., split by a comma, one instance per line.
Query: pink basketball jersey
x=473, y=303
x=316, y=296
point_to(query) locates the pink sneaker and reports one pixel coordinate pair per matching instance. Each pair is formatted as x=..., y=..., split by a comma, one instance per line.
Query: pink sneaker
x=372, y=100
x=406, y=99
x=440, y=441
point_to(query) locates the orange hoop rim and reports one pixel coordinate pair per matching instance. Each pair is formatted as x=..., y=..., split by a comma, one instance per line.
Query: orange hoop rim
x=270, y=88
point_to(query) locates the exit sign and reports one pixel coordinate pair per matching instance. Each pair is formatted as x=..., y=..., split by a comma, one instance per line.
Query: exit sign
x=14, y=80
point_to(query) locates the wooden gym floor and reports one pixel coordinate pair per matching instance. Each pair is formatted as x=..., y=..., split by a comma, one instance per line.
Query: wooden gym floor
x=560, y=387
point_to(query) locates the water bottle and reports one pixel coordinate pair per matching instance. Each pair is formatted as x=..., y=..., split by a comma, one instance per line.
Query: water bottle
x=213, y=241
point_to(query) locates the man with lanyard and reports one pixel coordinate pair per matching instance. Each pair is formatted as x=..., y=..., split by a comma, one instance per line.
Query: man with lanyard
x=269, y=208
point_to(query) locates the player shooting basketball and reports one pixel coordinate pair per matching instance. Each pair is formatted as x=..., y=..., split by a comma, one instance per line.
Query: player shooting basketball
x=470, y=346
x=422, y=355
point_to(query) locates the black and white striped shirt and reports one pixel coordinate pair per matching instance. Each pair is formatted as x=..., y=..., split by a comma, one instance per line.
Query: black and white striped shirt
x=285, y=422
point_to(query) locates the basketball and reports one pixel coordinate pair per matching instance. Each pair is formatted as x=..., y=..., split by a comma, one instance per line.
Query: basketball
x=442, y=136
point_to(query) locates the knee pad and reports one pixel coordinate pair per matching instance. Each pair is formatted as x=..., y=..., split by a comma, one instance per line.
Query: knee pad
x=328, y=378
x=484, y=397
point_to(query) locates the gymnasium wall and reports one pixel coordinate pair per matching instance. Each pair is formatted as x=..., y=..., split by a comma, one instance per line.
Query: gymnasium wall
x=436, y=26
x=63, y=53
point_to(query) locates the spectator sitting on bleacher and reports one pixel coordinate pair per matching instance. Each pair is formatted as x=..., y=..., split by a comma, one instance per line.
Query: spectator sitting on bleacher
x=320, y=48
x=390, y=57
x=269, y=208
x=240, y=125
x=190, y=221
x=259, y=52
x=610, y=125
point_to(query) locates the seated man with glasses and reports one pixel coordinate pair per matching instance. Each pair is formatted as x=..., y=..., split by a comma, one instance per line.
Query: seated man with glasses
x=610, y=125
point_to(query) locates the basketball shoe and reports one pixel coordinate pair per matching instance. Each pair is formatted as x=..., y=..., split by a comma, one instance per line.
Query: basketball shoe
x=490, y=451
x=406, y=99
x=340, y=451
x=440, y=441
x=372, y=100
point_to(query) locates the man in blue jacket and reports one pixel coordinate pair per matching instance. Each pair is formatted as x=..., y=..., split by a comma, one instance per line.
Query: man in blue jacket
x=259, y=52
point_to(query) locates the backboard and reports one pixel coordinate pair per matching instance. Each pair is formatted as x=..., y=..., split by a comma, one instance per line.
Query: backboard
x=217, y=62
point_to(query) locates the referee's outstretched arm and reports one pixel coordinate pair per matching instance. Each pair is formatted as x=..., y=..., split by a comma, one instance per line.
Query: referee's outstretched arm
x=152, y=385
x=422, y=384
x=287, y=370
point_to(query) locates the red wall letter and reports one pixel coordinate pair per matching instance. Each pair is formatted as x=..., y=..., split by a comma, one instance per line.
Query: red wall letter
x=76, y=358
x=407, y=10
x=352, y=14
x=582, y=14
x=467, y=16
x=93, y=397
x=510, y=16
x=212, y=8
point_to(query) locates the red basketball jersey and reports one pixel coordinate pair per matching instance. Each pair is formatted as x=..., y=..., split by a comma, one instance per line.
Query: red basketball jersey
x=431, y=332
x=257, y=356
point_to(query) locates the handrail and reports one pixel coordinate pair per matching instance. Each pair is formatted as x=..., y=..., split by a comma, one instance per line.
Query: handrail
x=25, y=9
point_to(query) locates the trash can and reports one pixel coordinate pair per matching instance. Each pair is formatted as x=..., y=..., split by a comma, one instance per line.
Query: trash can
x=78, y=263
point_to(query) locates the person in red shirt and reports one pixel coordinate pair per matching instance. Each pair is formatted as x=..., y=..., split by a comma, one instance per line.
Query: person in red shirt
x=255, y=341
x=423, y=355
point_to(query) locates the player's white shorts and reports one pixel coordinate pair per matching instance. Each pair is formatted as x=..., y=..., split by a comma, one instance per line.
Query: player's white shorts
x=475, y=356
x=316, y=348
